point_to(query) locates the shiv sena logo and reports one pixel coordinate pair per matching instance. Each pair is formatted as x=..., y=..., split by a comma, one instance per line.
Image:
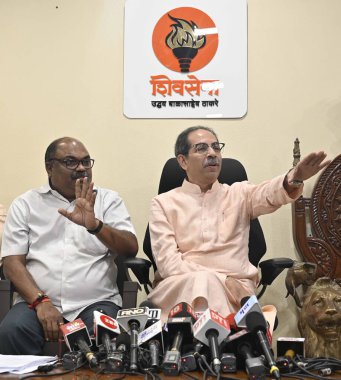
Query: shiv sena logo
x=185, y=39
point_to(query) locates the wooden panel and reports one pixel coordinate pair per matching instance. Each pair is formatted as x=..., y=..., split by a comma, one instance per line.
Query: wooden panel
x=317, y=223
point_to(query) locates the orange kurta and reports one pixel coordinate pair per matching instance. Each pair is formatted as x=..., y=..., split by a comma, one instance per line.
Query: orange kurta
x=200, y=242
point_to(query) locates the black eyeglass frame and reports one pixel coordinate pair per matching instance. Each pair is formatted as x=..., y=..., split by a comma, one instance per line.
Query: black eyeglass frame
x=64, y=162
x=216, y=146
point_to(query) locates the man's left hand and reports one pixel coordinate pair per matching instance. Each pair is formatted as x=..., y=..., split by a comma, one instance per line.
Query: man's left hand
x=308, y=166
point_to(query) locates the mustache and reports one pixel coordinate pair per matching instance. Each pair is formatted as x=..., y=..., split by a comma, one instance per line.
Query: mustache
x=76, y=175
x=211, y=161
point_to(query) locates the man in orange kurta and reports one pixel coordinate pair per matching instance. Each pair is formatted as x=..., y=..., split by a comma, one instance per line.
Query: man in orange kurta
x=199, y=231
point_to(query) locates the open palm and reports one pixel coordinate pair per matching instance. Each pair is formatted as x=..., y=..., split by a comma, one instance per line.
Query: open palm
x=83, y=212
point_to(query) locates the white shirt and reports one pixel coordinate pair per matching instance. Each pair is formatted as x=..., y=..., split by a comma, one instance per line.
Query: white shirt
x=70, y=265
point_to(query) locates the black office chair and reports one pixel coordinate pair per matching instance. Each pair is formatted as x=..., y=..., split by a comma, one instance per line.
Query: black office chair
x=232, y=171
x=6, y=295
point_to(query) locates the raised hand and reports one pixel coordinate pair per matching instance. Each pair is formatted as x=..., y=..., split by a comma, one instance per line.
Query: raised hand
x=83, y=212
x=308, y=166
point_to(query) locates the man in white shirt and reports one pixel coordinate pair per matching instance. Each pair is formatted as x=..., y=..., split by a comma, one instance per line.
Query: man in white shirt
x=58, y=247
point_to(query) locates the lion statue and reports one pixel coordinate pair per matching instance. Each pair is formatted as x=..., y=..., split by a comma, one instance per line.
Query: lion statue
x=301, y=273
x=320, y=319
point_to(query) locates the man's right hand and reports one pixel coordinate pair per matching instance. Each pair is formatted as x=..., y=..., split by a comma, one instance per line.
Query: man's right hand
x=50, y=318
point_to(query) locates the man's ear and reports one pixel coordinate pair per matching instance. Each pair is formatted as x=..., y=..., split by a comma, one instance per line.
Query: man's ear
x=48, y=167
x=182, y=161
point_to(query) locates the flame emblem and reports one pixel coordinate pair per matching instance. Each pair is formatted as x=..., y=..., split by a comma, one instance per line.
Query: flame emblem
x=184, y=42
x=178, y=36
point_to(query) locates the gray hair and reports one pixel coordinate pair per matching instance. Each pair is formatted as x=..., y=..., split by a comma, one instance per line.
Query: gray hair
x=182, y=145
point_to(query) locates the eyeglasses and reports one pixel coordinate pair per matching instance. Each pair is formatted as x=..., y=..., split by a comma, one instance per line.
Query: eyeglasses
x=202, y=148
x=73, y=163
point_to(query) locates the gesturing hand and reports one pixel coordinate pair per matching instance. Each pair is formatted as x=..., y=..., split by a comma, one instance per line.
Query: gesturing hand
x=308, y=166
x=83, y=213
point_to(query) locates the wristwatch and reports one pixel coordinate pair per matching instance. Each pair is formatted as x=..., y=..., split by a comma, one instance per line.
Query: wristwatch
x=296, y=183
x=96, y=230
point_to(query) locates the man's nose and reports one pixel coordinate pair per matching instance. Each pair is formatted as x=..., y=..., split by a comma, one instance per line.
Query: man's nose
x=211, y=151
x=80, y=167
x=212, y=155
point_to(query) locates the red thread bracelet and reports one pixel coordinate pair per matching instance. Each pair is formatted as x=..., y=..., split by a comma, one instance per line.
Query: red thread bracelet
x=41, y=298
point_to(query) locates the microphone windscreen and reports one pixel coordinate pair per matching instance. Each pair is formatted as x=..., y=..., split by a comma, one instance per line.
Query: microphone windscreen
x=255, y=321
x=290, y=353
x=182, y=310
x=148, y=304
x=245, y=348
x=244, y=300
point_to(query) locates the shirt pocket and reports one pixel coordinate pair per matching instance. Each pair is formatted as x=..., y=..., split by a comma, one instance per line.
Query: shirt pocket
x=229, y=223
x=88, y=244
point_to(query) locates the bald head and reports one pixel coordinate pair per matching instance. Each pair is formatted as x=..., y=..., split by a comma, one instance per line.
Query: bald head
x=51, y=149
x=66, y=160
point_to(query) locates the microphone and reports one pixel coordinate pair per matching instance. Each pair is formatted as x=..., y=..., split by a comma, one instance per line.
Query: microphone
x=122, y=346
x=249, y=304
x=231, y=345
x=190, y=355
x=123, y=342
x=232, y=323
x=211, y=328
x=228, y=362
x=151, y=337
x=106, y=329
x=256, y=323
x=133, y=321
x=285, y=362
x=179, y=326
x=147, y=303
x=76, y=337
x=254, y=366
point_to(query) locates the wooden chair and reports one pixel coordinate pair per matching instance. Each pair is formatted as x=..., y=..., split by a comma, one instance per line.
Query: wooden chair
x=317, y=236
x=317, y=221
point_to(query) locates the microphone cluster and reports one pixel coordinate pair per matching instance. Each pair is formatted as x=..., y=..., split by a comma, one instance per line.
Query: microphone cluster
x=137, y=342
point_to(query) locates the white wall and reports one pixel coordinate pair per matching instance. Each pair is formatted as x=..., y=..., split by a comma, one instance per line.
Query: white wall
x=61, y=73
